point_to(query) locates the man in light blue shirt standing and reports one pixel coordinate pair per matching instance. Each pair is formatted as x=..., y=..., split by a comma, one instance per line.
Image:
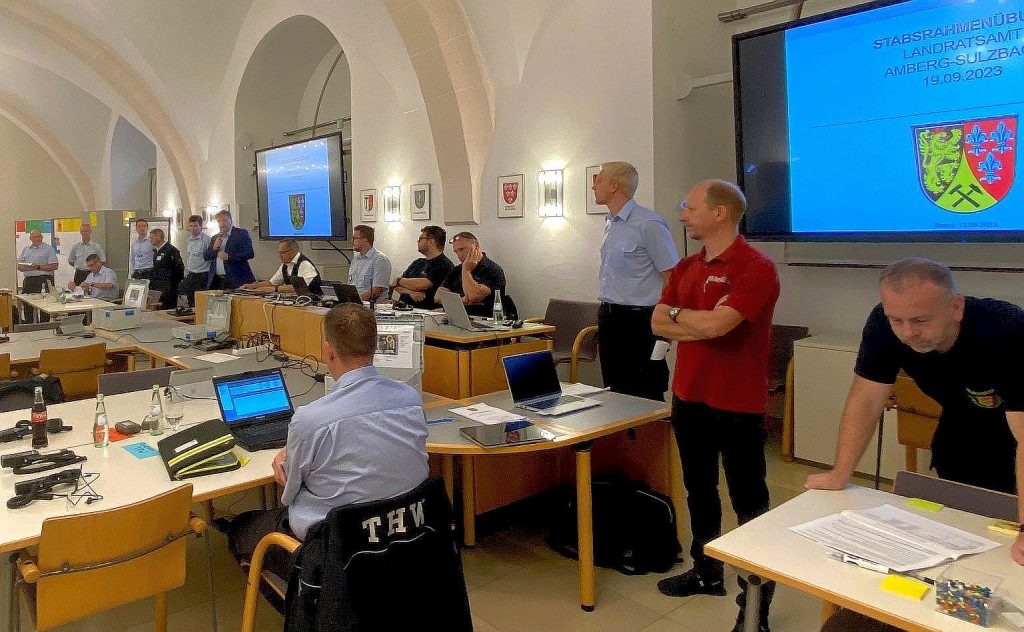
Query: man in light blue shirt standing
x=370, y=270
x=197, y=269
x=38, y=262
x=637, y=257
x=141, y=259
x=363, y=441
x=101, y=281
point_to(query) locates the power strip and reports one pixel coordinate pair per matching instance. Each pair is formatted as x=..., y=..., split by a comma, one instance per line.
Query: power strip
x=246, y=350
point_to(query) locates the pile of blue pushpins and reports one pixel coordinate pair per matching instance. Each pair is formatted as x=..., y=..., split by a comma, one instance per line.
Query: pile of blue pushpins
x=963, y=600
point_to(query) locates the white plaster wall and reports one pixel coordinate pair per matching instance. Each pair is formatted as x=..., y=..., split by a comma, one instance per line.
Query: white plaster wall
x=567, y=98
x=32, y=186
x=132, y=154
x=695, y=137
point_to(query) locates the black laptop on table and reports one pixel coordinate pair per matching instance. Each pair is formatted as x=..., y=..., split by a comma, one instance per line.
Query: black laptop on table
x=256, y=407
x=534, y=385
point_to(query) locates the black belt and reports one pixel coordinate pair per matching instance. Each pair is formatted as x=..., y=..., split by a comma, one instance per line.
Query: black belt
x=615, y=307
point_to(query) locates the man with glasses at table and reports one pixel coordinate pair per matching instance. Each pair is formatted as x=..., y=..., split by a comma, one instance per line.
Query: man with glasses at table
x=293, y=264
x=370, y=270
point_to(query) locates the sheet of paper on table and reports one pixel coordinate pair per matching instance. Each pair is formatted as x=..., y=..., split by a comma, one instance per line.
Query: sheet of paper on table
x=580, y=389
x=486, y=414
x=216, y=357
x=899, y=539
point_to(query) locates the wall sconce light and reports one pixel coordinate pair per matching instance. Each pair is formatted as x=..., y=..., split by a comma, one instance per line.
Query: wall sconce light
x=168, y=212
x=392, y=204
x=550, y=193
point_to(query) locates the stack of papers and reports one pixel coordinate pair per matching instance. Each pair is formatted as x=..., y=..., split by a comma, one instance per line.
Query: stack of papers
x=487, y=414
x=901, y=540
x=580, y=389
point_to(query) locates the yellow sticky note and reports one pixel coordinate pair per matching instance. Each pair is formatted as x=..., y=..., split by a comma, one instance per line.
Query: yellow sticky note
x=925, y=505
x=904, y=587
x=243, y=460
x=1002, y=526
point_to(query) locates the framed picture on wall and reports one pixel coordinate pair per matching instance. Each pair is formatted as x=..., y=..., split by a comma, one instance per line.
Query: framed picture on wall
x=510, y=196
x=593, y=208
x=421, y=201
x=368, y=210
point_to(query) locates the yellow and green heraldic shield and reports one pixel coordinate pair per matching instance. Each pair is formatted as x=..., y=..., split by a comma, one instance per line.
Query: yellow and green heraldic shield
x=297, y=208
x=967, y=166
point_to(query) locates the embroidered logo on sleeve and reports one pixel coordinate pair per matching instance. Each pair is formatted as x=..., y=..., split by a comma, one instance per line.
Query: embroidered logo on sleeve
x=985, y=399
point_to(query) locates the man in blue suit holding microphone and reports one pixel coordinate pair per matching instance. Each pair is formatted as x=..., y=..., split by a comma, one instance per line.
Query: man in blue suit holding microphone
x=231, y=251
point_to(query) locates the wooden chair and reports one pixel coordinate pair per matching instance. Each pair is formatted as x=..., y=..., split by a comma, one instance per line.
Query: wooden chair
x=917, y=417
x=5, y=367
x=258, y=575
x=7, y=311
x=575, y=337
x=91, y=562
x=78, y=368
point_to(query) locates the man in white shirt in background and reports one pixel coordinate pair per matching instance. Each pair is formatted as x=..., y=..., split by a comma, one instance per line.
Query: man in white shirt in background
x=293, y=264
x=101, y=282
x=370, y=270
x=37, y=261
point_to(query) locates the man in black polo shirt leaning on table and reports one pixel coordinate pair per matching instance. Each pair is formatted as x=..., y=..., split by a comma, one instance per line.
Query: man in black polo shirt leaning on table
x=966, y=353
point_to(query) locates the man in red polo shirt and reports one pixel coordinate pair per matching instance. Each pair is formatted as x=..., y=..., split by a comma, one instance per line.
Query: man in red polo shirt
x=718, y=305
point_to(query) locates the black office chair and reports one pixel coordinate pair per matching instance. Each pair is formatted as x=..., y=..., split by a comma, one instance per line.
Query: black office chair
x=358, y=572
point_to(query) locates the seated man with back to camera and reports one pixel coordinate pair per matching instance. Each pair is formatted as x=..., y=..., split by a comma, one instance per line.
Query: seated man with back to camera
x=101, y=281
x=293, y=264
x=476, y=277
x=363, y=441
x=418, y=284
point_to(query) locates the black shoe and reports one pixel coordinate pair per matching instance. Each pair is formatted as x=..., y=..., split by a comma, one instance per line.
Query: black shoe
x=692, y=582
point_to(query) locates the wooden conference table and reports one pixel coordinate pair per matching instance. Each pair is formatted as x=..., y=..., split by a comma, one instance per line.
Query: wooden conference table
x=45, y=304
x=766, y=547
x=457, y=363
x=124, y=479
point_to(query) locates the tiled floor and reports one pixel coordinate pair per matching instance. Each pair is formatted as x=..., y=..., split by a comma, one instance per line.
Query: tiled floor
x=515, y=583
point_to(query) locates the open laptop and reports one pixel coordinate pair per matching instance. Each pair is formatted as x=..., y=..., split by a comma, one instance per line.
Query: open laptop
x=256, y=407
x=338, y=293
x=193, y=383
x=72, y=326
x=457, y=315
x=533, y=381
x=300, y=286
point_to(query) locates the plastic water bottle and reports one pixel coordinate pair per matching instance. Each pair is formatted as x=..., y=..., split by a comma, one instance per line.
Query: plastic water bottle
x=100, y=425
x=156, y=412
x=497, y=312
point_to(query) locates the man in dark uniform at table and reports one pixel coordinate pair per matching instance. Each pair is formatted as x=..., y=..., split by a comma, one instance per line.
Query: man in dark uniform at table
x=963, y=352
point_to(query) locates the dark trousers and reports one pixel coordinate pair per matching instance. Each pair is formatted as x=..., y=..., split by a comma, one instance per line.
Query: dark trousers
x=703, y=433
x=246, y=531
x=80, y=275
x=624, y=342
x=192, y=283
x=34, y=284
x=221, y=282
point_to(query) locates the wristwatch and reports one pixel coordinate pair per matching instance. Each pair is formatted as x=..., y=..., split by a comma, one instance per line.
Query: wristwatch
x=674, y=313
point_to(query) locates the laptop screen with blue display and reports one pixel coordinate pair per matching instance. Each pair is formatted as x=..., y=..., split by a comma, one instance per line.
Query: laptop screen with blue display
x=252, y=396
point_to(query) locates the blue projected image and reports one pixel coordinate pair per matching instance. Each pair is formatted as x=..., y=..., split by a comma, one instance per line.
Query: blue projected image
x=298, y=189
x=906, y=118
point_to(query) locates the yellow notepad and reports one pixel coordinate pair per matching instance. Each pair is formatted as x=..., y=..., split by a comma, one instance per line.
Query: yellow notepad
x=926, y=505
x=904, y=587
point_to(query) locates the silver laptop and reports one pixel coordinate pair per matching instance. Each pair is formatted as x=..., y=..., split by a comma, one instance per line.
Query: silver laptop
x=72, y=326
x=534, y=384
x=457, y=315
x=193, y=383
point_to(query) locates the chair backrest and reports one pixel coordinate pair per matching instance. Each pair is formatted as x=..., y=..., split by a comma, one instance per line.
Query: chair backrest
x=911, y=399
x=780, y=343
x=114, y=557
x=7, y=311
x=5, y=366
x=36, y=326
x=385, y=565
x=78, y=368
x=128, y=381
x=19, y=394
x=976, y=500
x=568, y=318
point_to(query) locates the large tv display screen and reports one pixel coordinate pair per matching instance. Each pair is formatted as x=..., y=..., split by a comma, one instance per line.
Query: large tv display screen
x=891, y=121
x=300, y=190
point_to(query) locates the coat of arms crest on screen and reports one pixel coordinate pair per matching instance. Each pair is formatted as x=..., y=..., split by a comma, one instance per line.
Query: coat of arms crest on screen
x=297, y=208
x=967, y=166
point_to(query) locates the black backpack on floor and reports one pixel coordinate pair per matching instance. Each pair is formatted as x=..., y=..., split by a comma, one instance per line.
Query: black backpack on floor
x=634, y=527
